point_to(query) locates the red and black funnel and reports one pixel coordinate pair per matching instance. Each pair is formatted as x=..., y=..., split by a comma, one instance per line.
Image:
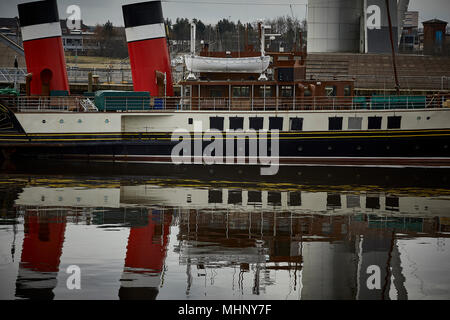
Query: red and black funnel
x=41, y=254
x=44, y=53
x=147, y=47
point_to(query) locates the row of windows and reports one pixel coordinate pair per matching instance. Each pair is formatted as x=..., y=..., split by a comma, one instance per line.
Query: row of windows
x=285, y=91
x=355, y=123
x=296, y=124
x=295, y=199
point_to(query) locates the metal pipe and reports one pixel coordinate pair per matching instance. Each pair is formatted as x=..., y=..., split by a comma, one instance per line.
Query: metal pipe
x=397, y=86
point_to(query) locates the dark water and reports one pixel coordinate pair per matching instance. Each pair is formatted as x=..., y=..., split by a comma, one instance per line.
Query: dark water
x=166, y=232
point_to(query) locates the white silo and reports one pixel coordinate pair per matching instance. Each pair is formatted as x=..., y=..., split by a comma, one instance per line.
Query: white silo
x=334, y=25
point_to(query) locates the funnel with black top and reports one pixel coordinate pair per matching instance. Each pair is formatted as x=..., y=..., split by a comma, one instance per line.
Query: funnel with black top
x=42, y=43
x=147, y=46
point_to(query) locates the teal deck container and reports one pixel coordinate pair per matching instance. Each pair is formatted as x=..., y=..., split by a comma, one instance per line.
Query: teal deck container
x=112, y=100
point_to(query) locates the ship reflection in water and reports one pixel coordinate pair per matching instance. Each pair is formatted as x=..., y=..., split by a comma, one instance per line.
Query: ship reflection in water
x=183, y=239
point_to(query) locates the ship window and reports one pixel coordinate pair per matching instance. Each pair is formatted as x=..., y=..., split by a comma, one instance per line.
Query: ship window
x=335, y=123
x=256, y=123
x=295, y=199
x=307, y=93
x=215, y=93
x=354, y=123
x=216, y=123
x=215, y=196
x=330, y=91
x=392, y=204
x=374, y=123
x=333, y=201
x=235, y=197
x=347, y=91
x=236, y=123
x=394, y=122
x=241, y=92
x=275, y=123
x=268, y=91
x=190, y=121
x=373, y=203
x=254, y=197
x=274, y=198
x=286, y=91
x=353, y=201
x=296, y=124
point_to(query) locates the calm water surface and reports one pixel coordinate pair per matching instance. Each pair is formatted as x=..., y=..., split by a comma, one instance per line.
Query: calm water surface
x=193, y=233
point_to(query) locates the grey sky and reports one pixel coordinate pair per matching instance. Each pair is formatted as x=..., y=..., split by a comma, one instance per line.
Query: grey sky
x=99, y=11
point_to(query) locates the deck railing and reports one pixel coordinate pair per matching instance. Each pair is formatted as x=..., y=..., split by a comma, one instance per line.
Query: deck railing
x=155, y=104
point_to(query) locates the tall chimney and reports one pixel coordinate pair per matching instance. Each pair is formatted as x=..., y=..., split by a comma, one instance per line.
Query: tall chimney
x=44, y=52
x=147, y=46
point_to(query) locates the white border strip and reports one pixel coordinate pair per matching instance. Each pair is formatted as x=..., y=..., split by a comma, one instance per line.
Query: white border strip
x=39, y=31
x=149, y=31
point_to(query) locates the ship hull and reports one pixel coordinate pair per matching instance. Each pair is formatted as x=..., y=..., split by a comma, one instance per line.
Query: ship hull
x=419, y=148
x=422, y=140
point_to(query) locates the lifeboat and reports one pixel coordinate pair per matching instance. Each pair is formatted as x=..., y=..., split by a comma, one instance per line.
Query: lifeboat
x=241, y=65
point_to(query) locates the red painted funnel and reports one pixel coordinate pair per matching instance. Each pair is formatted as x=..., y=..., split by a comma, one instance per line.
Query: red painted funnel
x=44, y=53
x=147, y=47
x=41, y=253
x=144, y=262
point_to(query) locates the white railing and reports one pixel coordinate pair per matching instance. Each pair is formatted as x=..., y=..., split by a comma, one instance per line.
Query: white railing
x=43, y=104
x=155, y=104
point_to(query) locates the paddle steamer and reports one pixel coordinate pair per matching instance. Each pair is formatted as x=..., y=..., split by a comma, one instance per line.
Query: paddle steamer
x=317, y=122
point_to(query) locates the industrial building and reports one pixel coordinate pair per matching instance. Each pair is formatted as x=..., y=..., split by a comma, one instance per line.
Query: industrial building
x=355, y=26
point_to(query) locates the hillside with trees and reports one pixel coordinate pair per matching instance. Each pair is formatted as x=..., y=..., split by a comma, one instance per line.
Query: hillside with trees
x=222, y=36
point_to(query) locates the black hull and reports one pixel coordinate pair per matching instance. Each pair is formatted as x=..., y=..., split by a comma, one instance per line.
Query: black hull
x=414, y=148
x=316, y=176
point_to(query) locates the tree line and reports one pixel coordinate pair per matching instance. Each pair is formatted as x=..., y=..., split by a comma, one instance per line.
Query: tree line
x=225, y=35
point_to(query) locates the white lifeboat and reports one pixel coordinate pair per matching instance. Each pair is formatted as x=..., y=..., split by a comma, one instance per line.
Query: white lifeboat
x=240, y=65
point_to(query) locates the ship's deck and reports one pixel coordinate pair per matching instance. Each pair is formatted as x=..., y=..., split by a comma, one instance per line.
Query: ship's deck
x=140, y=104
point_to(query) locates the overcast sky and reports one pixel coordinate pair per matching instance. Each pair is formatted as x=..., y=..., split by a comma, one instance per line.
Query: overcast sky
x=99, y=11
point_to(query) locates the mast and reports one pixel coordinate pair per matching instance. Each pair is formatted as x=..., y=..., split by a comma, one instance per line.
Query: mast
x=397, y=86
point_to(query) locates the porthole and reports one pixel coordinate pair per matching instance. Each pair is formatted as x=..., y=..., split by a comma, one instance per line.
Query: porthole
x=300, y=148
x=61, y=121
x=106, y=121
x=80, y=121
x=417, y=147
x=330, y=148
x=446, y=146
x=43, y=121
x=388, y=147
x=428, y=118
x=358, y=148
x=419, y=118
